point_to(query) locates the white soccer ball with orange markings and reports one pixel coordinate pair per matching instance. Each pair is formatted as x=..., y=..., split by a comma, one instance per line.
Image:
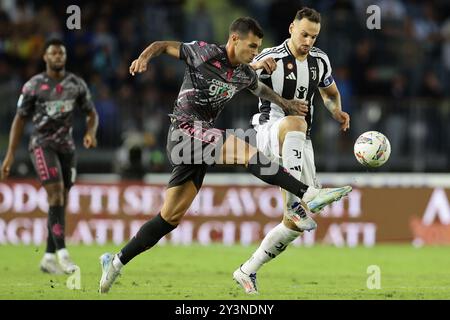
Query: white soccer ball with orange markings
x=372, y=149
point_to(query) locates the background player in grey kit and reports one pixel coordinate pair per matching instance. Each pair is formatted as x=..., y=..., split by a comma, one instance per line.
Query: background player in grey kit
x=213, y=75
x=49, y=100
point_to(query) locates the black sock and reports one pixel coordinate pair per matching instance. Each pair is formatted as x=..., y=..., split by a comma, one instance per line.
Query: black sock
x=276, y=174
x=147, y=236
x=51, y=248
x=56, y=226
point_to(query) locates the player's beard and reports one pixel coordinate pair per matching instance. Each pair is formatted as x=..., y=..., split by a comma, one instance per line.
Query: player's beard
x=304, y=50
x=57, y=68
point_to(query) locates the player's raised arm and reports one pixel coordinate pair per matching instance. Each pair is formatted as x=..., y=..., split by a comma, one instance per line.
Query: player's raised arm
x=292, y=107
x=332, y=100
x=14, y=138
x=172, y=48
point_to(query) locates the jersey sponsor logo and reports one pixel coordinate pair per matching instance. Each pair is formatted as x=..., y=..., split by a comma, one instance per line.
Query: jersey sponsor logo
x=291, y=76
x=44, y=87
x=222, y=89
x=264, y=76
x=300, y=93
x=55, y=108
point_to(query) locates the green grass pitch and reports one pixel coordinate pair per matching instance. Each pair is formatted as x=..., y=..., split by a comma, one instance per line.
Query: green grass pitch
x=198, y=272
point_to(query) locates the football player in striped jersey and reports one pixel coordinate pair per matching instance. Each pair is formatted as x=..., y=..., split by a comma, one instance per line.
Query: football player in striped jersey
x=295, y=70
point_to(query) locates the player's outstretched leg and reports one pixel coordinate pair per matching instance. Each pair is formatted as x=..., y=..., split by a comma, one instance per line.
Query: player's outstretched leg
x=292, y=140
x=109, y=271
x=177, y=201
x=236, y=150
x=274, y=243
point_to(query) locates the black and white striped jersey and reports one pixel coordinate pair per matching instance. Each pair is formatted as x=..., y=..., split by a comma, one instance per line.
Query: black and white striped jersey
x=293, y=79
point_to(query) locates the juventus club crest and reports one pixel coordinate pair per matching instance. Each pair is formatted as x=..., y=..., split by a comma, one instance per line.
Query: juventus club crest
x=313, y=71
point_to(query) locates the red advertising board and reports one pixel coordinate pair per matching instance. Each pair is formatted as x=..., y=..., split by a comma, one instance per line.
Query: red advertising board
x=229, y=214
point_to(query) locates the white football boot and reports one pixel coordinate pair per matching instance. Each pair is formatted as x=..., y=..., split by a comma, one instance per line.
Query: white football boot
x=109, y=273
x=297, y=213
x=50, y=265
x=317, y=199
x=67, y=265
x=247, y=282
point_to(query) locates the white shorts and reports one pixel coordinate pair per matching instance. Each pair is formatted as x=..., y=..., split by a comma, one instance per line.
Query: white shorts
x=267, y=143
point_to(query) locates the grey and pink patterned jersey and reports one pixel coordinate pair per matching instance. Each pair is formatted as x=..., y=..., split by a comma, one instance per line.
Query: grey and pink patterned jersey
x=209, y=82
x=50, y=104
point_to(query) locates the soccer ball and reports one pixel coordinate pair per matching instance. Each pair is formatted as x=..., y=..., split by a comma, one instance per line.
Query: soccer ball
x=372, y=149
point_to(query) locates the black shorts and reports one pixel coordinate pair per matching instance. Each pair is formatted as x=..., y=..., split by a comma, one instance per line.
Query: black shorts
x=52, y=166
x=191, y=149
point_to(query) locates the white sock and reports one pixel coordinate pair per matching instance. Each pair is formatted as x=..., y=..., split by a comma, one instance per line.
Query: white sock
x=49, y=256
x=273, y=244
x=117, y=264
x=292, y=157
x=62, y=253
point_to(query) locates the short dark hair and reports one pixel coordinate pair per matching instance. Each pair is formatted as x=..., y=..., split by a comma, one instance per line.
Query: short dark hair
x=53, y=42
x=245, y=25
x=308, y=13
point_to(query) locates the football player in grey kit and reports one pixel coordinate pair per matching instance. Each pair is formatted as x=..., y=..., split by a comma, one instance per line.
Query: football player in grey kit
x=213, y=75
x=49, y=100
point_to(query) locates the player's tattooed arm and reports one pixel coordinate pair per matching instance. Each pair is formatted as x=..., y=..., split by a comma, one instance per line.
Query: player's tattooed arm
x=332, y=100
x=172, y=48
x=290, y=107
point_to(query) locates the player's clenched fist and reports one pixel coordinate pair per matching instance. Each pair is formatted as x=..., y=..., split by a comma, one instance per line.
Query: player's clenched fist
x=139, y=65
x=89, y=141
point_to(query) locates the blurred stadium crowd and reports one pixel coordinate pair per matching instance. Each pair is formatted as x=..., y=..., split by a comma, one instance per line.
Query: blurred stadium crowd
x=394, y=80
